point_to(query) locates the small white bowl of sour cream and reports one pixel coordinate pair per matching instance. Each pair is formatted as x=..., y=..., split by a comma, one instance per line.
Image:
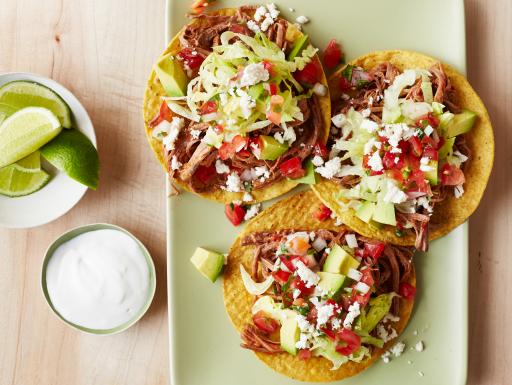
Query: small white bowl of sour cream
x=98, y=278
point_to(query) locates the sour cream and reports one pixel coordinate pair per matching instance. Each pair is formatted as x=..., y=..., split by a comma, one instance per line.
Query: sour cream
x=99, y=279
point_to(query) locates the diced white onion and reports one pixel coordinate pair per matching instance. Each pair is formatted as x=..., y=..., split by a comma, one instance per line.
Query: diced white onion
x=354, y=274
x=255, y=288
x=351, y=240
x=362, y=287
x=319, y=244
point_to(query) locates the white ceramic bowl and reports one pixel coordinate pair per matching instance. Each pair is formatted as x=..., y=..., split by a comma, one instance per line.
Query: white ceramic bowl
x=61, y=193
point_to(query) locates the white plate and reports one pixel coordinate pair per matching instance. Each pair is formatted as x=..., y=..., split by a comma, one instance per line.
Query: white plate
x=62, y=192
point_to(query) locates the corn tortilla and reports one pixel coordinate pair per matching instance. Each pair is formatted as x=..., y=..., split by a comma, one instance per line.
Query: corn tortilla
x=295, y=212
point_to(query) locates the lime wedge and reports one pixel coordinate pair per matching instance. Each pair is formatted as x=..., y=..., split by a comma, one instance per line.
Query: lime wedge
x=73, y=153
x=25, y=131
x=6, y=111
x=31, y=163
x=21, y=94
x=16, y=183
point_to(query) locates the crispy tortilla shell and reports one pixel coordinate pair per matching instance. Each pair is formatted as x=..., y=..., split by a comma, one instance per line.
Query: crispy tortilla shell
x=451, y=212
x=295, y=212
x=153, y=99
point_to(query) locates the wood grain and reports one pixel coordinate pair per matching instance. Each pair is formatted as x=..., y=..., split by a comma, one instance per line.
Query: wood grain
x=102, y=51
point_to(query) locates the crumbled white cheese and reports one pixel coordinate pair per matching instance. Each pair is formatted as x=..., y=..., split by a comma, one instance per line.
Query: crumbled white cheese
x=366, y=112
x=260, y=13
x=319, y=89
x=375, y=162
x=262, y=172
x=369, y=125
x=253, y=26
x=424, y=164
x=173, y=130
x=396, y=132
x=302, y=343
x=247, y=103
x=397, y=349
x=385, y=357
x=233, y=183
x=317, y=161
x=421, y=374
x=324, y=312
x=419, y=346
x=462, y=158
x=211, y=138
x=327, y=250
x=175, y=163
x=351, y=240
x=247, y=197
x=390, y=318
x=458, y=191
x=288, y=135
x=330, y=168
x=195, y=134
x=253, y=74
x=428, y=130
x=221, y=167
x=383, y=333
x=266, y=23
x=353, y=311
x=272, y=10
x=252, y=212
x=336, y=323
x=306, y=275
x=394, y=194
x=161, y=129
x=354, y=274
x=339, y=120
x=302, y=19
x=372, y=142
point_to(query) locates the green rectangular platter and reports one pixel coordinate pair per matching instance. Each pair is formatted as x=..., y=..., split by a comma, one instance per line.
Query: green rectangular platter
x=204, y=346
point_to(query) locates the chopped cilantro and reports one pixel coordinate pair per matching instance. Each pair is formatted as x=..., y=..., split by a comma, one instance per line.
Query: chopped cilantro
x=347, y=72
x=303, y=310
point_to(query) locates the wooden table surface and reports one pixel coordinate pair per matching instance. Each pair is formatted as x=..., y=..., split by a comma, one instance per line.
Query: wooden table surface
x=102, y=50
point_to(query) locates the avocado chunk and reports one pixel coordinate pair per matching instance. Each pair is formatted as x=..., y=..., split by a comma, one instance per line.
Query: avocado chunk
x=171, y=75
x=447, y=148
x=271, y=149
x=289, y=335
x=385, y=213
x=431, y=175
x=460, y=124
x=331, y=283
x=365, y=211
x=339, y=261
x=298, y=47
x=310, y=177
x=209, y=263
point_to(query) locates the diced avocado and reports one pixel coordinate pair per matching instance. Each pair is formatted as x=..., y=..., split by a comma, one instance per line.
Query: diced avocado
x=447, y=148
x=310, y=177
x=379, y=307
x=385, y=213
x=271, y=149
x=365, y=211
x=431, y=175
x=209, y=263
x=171, y=75
x=298, y=47
x=289, y=335
x=460, y=124
x=339, y=261
x=256, y=91
x=331, y=282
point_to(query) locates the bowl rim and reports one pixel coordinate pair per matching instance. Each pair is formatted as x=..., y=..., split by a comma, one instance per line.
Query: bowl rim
x=73, y=233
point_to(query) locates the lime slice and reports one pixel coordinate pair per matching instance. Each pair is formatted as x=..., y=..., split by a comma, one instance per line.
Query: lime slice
x=25, y=131
x=6, y=111
x=16, y=183
x=73, y=153
x=31, y=163
x=21, y=94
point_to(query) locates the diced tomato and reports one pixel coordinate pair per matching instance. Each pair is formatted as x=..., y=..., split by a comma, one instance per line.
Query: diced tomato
x=269, y=67
x=366, y=158
x=227, y=150
x=244, y=154
x=264, y=322
x=323, y=213
x=281, y=276
x=329, y=333
x=272, y=87
x=320, y=149
x=205, y=174
x=416, y=147
x=301, y=286
x=396, y=175
x=388, y=161
x=348, y=343
x=430, y=153
x=304, y=354
x=287, y=260
x=208, y=107
x=193, y=61
x=366, y=278
x=428, y=141
x=332, y=54
x=240, y=143
x=344, y=84
x=407, y=291
x=452, y=175
x=292, y=168
x=418, y=178
x=441, y=142
x=218, y=129
x=310, y=74
x=235, y=213
x=164, y=114
x=374, y=250
x=427, y=120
